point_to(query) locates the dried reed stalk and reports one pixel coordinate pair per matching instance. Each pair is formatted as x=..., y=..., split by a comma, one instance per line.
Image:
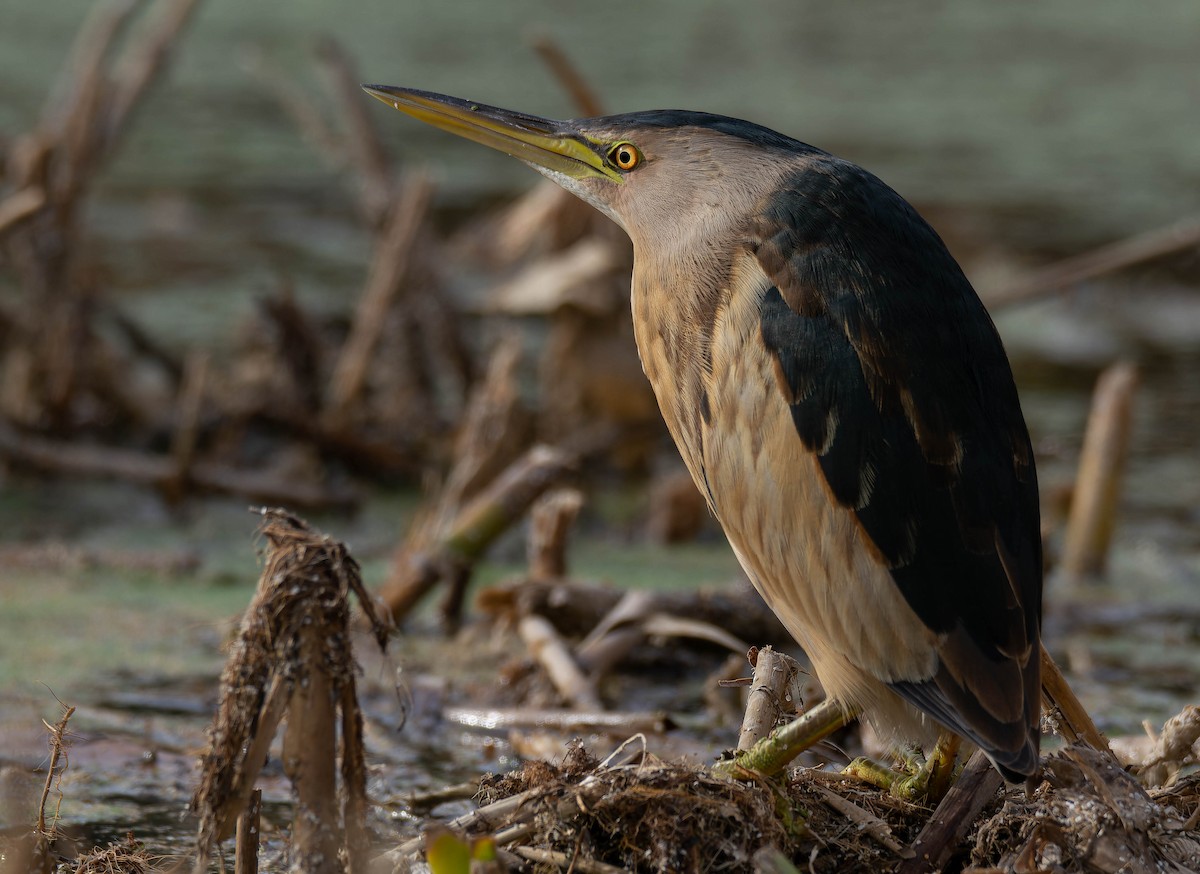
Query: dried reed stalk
x=293, y=657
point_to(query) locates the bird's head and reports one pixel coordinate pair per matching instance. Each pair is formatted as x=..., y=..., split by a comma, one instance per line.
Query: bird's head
x=662, y=175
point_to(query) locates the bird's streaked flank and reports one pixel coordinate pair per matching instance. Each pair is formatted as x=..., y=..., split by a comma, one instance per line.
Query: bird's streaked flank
x=838, y=393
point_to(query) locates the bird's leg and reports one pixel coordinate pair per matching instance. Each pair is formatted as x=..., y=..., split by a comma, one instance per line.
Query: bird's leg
x=773, y=753
x=919, y=781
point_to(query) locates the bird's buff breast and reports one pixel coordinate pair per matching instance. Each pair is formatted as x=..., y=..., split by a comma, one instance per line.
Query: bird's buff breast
x=716, y=386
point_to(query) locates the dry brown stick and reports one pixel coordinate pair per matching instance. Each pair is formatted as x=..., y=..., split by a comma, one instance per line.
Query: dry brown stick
x=554, y=655
x=427, y=801
x=69, y=115
x=876, y=828
x=142, y=63
x=577, y=608
x=1098, y=481
x=58, y=750
x=310, y=755
x=359, y=452
x=89, y=52
x=245, y=858
x=79, y=143
x=393, y=252
x=505, y=810
x=1075, y=723
x=362, y=137
x=631, y=622
x=270, y=714
x=302, y=111
x=187, y=422
x=353, y=752
x=568, y=76
x=772, y=677
x=565, y=862
x=141, y=342
x=493, y=430
x=157, y=470
x=574, y=721
x=19, y=206
x=1116, y=256
x=475, y=527
x=940, y=837
x=550, y=523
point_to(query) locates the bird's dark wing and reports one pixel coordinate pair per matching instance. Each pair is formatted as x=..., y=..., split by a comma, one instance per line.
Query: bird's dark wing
x=898, y=383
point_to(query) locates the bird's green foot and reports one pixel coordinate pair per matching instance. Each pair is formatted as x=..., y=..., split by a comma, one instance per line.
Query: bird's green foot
x=919, y=781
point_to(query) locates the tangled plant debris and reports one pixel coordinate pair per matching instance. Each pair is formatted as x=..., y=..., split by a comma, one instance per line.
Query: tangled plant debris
x=292, y=660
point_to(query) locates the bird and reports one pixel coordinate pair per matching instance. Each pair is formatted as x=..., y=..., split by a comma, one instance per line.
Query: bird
x=841, y=398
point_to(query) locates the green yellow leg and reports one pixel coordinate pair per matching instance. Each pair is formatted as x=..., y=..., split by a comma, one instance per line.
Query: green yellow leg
x=773, y=753
x=919, y=781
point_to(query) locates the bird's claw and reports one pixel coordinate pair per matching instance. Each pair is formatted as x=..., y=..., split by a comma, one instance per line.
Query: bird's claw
x=919, y=781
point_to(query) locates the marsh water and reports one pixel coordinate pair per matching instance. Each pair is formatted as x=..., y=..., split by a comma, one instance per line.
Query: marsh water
x=1025, y=131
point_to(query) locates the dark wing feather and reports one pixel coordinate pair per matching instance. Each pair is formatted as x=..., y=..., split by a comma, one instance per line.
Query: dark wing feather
x=899, y=384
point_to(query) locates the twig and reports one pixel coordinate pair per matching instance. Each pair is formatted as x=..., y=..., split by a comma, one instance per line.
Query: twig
x=270, y=714
x=873, y=826
x=245, y=859
x=157, y=470
x=89, y=52
x=565, y=862
x=548, y=648
x=362, y=137
x=568, y=75
x=19, y=206
x=143, y=343
x=975, y=787
x=389, y=266
x=1098, y=481
x=1075, y=723
x=58, y=750
x=493, y=431
x=550, y=523
x=565, y=277
x=567, y=721
x=142, y=64
x=426, y=801
x=300, y=109
x=484, y=818
x=70, y=120
x=474, y=529
x=187, y=419
x=1123, y=254
x=576, y=608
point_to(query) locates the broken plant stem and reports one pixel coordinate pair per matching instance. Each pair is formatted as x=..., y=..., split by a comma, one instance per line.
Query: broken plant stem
x=58, y=750
x=569, y=721
x=1098, y=482
x=1075, y=722
x=549, y=649
x=871, y=825
x=772, y=677
x=245, y=859
x=565, y=862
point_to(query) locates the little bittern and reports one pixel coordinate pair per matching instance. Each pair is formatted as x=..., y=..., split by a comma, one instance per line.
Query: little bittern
x=840, y=396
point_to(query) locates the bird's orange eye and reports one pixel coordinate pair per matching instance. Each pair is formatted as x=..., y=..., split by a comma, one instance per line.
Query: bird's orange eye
x=625, y=156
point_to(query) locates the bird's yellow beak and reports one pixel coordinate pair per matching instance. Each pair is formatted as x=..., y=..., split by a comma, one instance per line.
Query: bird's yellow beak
x=543, y=142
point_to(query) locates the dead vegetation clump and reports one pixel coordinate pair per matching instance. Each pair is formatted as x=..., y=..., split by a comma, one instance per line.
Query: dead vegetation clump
x=126, y=857
x=646, y=815
x=292, y=658
x=1091, y=815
